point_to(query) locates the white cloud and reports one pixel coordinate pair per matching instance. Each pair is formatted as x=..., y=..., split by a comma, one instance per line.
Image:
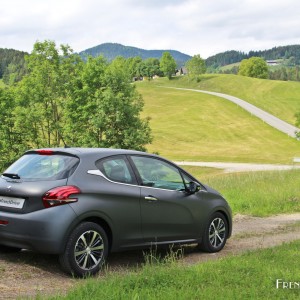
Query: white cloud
x=190, y=26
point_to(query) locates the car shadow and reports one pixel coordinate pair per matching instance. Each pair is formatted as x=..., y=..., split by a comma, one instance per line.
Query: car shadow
x=116, y=262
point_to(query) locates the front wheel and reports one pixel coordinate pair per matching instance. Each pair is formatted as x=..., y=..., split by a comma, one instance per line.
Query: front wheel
x=86, y=250
x=215, y=234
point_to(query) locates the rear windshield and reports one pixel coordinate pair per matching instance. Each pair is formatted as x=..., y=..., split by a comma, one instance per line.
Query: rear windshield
x=34, y=167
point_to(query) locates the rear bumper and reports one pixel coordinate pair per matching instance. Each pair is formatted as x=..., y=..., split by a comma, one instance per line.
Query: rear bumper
x=43, y=231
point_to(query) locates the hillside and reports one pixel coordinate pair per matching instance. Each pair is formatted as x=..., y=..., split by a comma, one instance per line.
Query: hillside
x=199, y=127
x=280, y=98
x=12, y=61
x=112, y=50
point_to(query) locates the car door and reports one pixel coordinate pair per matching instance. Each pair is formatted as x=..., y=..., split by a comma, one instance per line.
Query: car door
x=168, y=213
x=120, y=199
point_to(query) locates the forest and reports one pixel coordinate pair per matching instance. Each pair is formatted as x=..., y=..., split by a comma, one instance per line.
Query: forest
x=146, y=62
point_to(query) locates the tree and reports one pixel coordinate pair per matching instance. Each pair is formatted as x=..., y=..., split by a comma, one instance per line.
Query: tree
x=196, y=66
x=133, y=66
x=106, y=111
x=254, y=67
x=167, y=64
x=12, y=142
x=64, y=101
x=43, y=93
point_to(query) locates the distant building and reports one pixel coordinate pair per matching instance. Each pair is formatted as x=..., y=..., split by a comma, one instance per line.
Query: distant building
x=272, y=63
x=181, y=71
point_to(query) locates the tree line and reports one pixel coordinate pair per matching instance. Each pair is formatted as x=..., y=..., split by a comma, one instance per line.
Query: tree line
x=290, y=53
x=63, y=100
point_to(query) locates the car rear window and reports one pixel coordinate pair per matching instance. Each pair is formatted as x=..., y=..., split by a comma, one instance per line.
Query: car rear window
x=34, y=167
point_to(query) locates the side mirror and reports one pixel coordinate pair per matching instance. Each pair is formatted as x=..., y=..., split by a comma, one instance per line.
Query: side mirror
x=193, y=187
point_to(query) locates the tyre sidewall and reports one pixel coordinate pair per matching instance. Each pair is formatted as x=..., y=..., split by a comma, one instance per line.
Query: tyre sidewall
x=68, y=260
x=206, y=245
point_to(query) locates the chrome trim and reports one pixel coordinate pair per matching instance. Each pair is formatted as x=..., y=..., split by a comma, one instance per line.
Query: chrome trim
x=99, y=173
x=95, y=172
x=150, y=198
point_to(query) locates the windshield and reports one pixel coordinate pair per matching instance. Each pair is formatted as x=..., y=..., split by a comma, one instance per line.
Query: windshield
x=42, y=167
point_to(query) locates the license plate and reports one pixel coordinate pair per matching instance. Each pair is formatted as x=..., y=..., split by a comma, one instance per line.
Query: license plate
x=11, y=202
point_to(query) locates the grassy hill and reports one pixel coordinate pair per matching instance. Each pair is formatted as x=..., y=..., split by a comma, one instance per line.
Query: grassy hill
x=199, y=127
x=280, y=98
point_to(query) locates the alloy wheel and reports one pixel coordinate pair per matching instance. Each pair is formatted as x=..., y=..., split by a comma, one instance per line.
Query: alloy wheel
x=88, y=250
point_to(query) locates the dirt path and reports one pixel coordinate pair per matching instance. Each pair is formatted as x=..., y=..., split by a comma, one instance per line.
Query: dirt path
x=27, y=274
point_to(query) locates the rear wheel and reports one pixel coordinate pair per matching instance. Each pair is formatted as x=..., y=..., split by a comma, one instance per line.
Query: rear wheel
x=215, y=234
x=86, y=250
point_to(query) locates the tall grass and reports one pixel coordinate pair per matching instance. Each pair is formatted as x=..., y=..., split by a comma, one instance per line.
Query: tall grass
x=248, y=276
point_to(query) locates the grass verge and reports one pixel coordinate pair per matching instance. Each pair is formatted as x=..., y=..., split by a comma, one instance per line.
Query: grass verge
x=252, y=275
x=255, y=193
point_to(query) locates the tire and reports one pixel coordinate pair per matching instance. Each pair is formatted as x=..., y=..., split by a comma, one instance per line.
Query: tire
x=86, y=250
x=8, y=249
x=215, y=235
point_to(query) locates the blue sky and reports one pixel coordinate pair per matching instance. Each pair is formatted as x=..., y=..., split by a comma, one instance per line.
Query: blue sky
x=190, y=26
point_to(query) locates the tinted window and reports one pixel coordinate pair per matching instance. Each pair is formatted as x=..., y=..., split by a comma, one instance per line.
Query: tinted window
x=116, y=169
x=157, y=173
x=43, y=167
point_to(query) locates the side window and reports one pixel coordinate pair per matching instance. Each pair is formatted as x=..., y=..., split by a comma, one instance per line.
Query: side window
x=157, y=173
x=116, y=168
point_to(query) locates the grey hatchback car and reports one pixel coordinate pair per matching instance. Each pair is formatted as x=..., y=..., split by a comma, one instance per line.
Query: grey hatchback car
x=82, y=203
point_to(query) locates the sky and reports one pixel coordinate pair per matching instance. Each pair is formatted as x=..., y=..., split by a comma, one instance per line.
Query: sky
x=204, y=27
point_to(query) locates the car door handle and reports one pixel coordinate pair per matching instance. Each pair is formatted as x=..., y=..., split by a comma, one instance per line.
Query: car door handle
x=150, y=198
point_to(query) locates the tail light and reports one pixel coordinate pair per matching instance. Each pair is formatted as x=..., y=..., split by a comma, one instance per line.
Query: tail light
x=60, y=195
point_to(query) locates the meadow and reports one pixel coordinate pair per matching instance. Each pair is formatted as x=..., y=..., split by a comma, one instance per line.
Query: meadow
x=258, y=194
x=280, y=98
x=199, y=127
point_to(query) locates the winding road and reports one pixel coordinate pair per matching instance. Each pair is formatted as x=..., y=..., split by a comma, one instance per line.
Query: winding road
x=263, y=115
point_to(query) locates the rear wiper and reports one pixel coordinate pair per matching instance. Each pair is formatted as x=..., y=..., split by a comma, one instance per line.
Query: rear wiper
x=11, y=175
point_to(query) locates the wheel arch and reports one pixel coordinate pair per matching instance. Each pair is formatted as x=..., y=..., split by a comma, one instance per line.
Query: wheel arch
x=95, y=218
x=100, y=221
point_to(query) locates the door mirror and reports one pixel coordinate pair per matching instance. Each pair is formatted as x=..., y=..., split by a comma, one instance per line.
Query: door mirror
x=193, y=187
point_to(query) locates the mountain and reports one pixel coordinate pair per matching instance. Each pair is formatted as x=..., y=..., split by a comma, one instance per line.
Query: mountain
x=112, y=50
x=12, y=61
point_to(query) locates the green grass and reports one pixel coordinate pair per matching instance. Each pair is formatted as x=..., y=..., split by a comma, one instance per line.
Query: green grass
x=255, y=193
x=249, y=276
x=199, y=127
x=280, y=98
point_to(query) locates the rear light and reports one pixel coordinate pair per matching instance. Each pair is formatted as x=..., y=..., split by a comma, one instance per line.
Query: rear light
x=3, y=222
x=44, y=152
x=60, y=195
